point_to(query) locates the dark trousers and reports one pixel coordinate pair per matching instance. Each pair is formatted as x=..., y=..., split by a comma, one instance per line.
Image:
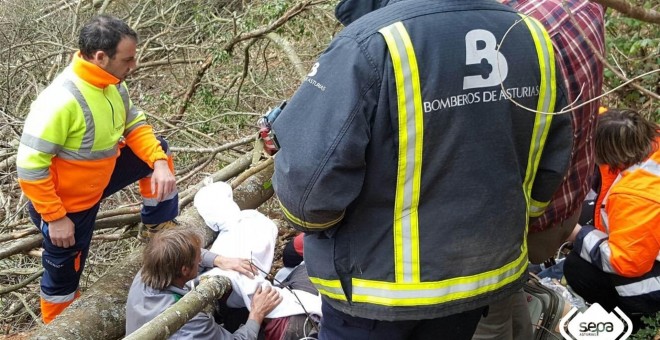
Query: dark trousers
x=337, y=325
x=63, y=266
x=596, y=286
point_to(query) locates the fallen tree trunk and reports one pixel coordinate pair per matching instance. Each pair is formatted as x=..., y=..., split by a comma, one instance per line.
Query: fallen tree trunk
x=100, y=312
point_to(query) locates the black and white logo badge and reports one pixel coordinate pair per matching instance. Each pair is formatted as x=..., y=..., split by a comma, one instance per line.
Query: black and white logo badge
x=481, y=48
x=596, y=323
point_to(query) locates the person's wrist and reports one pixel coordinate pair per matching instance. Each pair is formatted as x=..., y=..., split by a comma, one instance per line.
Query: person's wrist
x=160, y=162
x=257, y=316
x=217, y=261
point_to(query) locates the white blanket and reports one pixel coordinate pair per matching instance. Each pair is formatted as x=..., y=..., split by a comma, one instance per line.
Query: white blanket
x=247, y=234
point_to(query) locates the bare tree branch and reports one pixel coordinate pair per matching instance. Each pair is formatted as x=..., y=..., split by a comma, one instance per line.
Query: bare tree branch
x=174, y=317
x=635, y=12
x=5, y=290
x=604, y=60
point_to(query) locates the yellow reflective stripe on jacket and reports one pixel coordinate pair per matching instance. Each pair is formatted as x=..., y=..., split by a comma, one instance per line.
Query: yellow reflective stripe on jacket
x=428, y=293
x=411, y=136
x=407, y=290
x=546, y=102
x=537, y=208
x=309, y=225
x=329, y=288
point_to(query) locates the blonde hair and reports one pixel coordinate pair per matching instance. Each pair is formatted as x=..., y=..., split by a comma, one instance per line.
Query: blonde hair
x=167, y=253
x=624, y=138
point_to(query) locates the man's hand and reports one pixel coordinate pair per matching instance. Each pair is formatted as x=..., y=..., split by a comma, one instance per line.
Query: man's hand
x=263, y=302
x=62, y=232
x=242, y=266
x=163, y=182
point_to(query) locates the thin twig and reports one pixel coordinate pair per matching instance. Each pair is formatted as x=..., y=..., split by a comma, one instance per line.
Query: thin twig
x=28, y=308
x=242, y=141
x=12, y=288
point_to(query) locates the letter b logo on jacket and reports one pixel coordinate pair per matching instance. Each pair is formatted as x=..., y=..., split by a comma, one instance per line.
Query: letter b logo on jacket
x=481, y=48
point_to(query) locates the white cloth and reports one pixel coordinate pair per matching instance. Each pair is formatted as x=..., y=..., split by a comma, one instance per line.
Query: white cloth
x=247, y=234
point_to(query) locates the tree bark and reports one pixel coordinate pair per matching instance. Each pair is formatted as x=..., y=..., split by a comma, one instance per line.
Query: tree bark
x=174, y=317
x=633, y=11
x=100, y=312
x=22, y=245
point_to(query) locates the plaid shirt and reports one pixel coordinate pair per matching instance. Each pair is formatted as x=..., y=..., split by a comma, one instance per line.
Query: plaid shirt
x=583, y=76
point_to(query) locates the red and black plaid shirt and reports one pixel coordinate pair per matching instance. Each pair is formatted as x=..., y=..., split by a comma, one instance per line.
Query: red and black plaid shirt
x=583, y=76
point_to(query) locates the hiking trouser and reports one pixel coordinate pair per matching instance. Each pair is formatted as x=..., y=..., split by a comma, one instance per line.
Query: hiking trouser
x=63, y=266
x=507, y=319
x=339, y=325
x=630, y=294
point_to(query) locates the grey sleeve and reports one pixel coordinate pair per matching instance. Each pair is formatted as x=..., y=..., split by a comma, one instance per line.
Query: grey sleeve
x=323, y=133
x=249, y=331
x=207, y=258
x=202, y=327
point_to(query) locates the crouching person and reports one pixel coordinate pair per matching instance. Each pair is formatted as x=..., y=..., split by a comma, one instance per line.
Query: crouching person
x=170, y=261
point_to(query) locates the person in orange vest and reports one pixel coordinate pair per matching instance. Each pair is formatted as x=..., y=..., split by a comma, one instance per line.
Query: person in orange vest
x=614, y=262
x=82, y=141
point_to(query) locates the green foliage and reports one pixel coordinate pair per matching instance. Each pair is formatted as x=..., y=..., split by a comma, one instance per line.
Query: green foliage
x=633, y=49
x=651, y=330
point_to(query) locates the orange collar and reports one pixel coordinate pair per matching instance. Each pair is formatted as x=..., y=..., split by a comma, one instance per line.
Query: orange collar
x=92, y=73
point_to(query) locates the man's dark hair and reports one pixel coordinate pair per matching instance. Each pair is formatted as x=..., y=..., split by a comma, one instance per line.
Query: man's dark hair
x=624, y=138
x=103, y=33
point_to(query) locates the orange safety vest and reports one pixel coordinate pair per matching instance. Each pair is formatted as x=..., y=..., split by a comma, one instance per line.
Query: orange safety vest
x=629, y=212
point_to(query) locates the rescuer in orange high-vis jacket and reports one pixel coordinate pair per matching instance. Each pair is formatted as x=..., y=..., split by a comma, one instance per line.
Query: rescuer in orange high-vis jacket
x=82, y=141
x=615, y=262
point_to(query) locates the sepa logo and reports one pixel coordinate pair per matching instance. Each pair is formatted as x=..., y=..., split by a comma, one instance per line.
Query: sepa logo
x=595, y=323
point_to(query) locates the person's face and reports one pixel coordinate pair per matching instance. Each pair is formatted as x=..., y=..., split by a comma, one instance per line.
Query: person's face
x=123, y=62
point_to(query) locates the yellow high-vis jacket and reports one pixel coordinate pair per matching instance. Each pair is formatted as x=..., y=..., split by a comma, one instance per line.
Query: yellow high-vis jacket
x=72, y=138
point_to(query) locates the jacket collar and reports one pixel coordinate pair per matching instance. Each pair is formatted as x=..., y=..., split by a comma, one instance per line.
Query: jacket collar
x=347, y=11
x=92, y=73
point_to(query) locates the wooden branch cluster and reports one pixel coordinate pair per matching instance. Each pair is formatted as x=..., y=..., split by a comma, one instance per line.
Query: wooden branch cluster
x=229, y=46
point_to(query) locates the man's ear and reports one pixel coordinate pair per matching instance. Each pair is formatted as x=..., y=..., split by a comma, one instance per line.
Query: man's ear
x=100, y=58
x=185, y=271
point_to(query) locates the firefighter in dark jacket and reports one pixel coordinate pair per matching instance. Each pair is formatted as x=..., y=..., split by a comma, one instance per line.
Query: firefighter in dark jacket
x=412, y=171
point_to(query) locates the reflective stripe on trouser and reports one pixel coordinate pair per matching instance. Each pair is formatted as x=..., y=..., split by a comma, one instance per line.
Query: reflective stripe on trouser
x=631, y=294
x=130, y=169
x=63, y=266
x=50, y=309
